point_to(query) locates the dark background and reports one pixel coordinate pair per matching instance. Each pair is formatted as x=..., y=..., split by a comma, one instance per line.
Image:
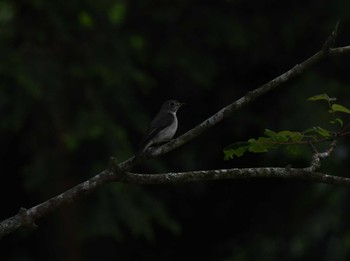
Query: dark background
x=80, y=81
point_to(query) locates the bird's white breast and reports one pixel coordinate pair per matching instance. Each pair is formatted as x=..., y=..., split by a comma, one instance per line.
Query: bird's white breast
x=167, y=133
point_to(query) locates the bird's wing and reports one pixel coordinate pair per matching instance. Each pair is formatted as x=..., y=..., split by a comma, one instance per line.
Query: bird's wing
x=160, y=122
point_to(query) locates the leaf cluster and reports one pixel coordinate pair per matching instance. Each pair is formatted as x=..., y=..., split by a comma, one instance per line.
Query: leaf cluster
x=273, y=140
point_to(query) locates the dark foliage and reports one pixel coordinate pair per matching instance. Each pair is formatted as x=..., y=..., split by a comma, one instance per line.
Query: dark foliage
x=79, y=82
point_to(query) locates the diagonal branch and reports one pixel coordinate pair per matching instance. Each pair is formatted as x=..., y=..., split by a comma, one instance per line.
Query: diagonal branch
x=117, y=172
x=250, y=97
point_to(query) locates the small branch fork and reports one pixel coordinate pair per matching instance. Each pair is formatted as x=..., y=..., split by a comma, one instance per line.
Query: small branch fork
x=118, y=172
x=317, y=156
x=308, y=173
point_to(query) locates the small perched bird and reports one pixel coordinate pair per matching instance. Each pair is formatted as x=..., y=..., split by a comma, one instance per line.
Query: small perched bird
x=162, y=127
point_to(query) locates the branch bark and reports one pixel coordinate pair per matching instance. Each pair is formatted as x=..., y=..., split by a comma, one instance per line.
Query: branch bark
x=235, y=173
x=118, y=172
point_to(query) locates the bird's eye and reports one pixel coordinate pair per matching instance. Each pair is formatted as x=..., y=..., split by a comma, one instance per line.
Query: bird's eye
x=172, y=104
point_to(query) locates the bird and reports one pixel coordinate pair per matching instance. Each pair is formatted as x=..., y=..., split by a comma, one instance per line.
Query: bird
x=163, y=127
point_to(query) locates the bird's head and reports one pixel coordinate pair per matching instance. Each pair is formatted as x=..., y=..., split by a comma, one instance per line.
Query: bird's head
x=171, y=105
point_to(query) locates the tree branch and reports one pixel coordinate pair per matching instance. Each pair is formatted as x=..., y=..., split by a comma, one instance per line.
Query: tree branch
x=118, y=172
x=317, y=156
x=307, y=173
x=235, y=173
x=247, y=99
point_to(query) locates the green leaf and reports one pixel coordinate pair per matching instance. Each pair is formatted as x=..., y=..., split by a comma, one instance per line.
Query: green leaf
x=283, y=136
x=236, y=149
x=263, y=144
x=317, y=131
x=319, y=97
x=258, y=148
x=322, y=132
x=231, y=153
x=270, y=133
x=340, y=108
x=296, y=136
x=285, y=133
x=337, y=120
